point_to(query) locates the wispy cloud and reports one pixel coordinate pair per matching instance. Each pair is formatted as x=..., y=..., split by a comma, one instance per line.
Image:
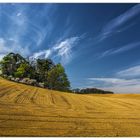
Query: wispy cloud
x=118, y=85
x=62, y=49
x=116, y=81
x=41, y=54
x=124, y=81
x=3, y=49
x=14, y=47
x=27, y=28
x=130, y=72
x=20, y=24
x=117, y=24
x=119, y=49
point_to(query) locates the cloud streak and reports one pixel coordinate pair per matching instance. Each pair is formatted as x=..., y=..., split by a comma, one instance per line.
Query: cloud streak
x=118, y=85
x=20, y=24
x=124, y=81
x=130, y=72
x=28, y=34
x=116, y=25
x=62, y=49
x=120, y=49
x=14, y=47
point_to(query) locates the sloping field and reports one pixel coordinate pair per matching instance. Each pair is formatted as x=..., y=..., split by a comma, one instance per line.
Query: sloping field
x=32, y=111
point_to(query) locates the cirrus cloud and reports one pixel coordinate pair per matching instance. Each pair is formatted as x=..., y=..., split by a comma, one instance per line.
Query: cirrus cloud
x=130, y=72
x=117, y=85
x=62, y=50
x=118, y=24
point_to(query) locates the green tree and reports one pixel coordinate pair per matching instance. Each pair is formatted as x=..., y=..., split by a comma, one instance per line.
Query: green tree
x=42, y=68
x=57, y=78
x=24, y=70
x=10, y=63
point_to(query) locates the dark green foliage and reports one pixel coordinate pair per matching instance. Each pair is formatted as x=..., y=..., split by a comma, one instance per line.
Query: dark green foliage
x=44, y=70
x=10, y=63
x=91, y=90
x=24, y=70
x=57, y=78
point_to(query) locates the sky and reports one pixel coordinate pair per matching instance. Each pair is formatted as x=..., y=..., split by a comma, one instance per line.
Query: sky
x=98, y=44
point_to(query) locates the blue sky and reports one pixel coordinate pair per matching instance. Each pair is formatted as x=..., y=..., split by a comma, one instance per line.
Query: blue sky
x=98, y=44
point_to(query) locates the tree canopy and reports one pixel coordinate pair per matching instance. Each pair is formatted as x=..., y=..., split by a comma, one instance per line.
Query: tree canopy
x=57, y=78
x=42, y=70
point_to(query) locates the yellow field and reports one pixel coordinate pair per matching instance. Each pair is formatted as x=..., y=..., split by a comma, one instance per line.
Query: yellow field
x=32, y=111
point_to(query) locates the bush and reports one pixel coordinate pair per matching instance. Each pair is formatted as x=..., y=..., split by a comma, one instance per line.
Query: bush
x=25, y=80
x=32, y=82
x=17, y=79
x=29, y=81
x=10, y=77
x=41, y=85
x=5, y=76
x=13, y=79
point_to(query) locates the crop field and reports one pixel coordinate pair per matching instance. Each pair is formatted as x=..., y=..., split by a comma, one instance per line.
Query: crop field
x=33, y=111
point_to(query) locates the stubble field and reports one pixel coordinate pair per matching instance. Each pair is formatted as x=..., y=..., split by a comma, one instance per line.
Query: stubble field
x=32, y=111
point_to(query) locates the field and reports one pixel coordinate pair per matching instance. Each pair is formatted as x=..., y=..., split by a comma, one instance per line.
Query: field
x=32, y=111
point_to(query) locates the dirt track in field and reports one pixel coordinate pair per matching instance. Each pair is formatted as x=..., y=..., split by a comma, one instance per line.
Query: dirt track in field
x=32, y=111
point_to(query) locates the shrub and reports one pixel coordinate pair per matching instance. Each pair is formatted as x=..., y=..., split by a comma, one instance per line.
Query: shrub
x=25, y=80
x=10, y=77
x=32, y=82
x=41, y=85
x=5, y=76
x=17, y=79
x=13, y=79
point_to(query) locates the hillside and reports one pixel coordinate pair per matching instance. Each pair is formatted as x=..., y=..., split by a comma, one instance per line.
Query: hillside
x=31, y=111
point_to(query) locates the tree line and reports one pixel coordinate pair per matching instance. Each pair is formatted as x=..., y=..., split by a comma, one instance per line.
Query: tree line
x=38, y=72
x=91, y=90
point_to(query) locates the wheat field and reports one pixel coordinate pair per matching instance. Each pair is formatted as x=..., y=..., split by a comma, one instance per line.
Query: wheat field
x=32, y=111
